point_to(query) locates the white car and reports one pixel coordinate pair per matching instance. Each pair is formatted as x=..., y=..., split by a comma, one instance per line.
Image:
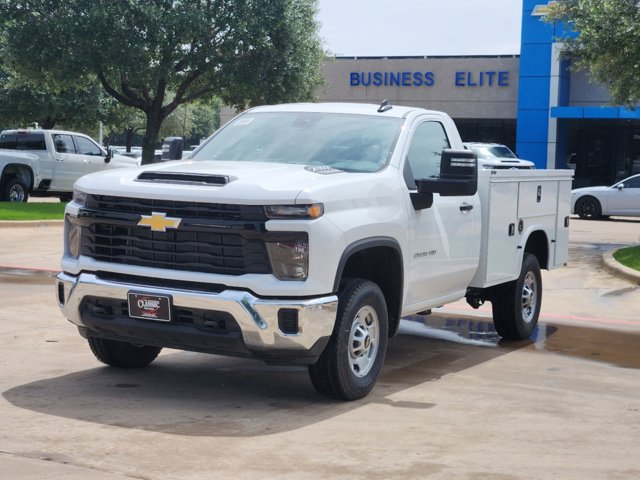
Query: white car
x=497, y=156
x=622, y=198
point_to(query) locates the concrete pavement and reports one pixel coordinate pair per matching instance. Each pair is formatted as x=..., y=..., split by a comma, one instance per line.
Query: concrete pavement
x=31, y=248
x=453, y=402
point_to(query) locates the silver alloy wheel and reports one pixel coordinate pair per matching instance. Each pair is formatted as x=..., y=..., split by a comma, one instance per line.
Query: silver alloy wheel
x=363, y=341
x=16, y=193
x=529, y=297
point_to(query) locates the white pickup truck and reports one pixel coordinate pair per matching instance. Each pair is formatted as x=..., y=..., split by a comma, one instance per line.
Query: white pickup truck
x=48, y=162
x=301, y=234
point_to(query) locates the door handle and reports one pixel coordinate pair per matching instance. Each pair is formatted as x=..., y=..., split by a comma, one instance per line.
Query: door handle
x=59, y=159
x=465, y=207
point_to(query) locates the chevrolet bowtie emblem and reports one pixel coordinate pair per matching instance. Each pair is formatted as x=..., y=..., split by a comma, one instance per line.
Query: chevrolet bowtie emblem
x=159, y=222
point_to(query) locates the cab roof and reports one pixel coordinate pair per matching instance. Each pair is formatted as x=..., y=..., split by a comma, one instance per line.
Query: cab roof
x=396, y=111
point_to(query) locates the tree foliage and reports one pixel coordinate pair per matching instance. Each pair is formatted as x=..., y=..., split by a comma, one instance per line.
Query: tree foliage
x=154, y=55
x=607, y=43
x=29, y=101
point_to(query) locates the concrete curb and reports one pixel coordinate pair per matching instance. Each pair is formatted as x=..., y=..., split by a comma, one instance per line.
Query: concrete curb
x=616, y=268
x=30, y=223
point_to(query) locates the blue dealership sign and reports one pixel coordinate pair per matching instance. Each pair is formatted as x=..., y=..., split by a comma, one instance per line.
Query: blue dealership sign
x=471, y=79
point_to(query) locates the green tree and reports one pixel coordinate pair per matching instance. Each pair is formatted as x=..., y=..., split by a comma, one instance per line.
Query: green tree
x=154, y=55
x=27, y=101
x=607, y=43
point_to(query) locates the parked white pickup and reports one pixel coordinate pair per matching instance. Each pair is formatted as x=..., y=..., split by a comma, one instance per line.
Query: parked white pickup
x=301, y=234
x=48, y=162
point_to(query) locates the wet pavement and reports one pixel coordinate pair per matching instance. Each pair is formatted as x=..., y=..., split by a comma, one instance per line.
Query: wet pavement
x=453, y=400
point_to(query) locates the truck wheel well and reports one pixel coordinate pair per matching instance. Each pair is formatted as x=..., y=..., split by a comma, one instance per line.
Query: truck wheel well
x=537, y=244
x=383, y=266
x=21, y=172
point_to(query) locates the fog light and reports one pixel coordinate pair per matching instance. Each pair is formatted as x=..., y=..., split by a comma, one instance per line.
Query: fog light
x=289, y=260
x=73, y=239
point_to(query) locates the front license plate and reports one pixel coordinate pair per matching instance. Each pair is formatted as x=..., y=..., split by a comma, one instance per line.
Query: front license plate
x=150, y=307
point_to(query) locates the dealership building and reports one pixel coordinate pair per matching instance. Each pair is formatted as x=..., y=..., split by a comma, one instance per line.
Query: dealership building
x=534, y=103
x=546, y=112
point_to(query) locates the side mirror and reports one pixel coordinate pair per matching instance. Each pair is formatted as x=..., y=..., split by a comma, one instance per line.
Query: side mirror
x=458, y=177
x=109, y=155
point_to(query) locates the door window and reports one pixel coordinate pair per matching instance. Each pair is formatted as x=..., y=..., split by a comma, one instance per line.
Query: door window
x=23, y=141
x=63, y=143
x=425, y=152
x=86, y=146
x=632, y=183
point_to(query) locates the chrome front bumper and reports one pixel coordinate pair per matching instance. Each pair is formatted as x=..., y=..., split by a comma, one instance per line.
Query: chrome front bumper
x=257, y=318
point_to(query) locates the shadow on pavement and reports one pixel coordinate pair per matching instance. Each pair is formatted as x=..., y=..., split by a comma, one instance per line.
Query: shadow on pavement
x=191, y=394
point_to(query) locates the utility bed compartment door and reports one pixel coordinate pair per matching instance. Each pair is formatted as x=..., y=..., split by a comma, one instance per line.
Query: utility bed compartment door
x=502, y=247
x=537, y=199
x=514, y=204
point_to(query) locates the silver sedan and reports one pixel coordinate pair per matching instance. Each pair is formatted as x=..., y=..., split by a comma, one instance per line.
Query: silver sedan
x=622, y=198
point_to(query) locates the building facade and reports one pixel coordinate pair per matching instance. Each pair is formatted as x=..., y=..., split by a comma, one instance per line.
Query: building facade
x=534, y=103
x=479, y=93
x=565, y=118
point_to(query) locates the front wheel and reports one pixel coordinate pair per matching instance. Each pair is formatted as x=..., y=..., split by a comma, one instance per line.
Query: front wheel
x=516, y=305
x=349, y=366
x=122, y=354
x=14, y=190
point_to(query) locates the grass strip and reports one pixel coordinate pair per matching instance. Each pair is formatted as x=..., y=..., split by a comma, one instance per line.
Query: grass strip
x=31, y=211
x=629, y=257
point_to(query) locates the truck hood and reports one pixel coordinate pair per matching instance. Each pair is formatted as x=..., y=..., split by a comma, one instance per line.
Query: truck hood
x=248, y=182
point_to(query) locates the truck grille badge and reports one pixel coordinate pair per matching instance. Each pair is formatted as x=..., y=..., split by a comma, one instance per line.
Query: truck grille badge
x=159, y=222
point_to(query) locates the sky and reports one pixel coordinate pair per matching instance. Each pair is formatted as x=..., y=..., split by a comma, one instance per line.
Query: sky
x=375, y=28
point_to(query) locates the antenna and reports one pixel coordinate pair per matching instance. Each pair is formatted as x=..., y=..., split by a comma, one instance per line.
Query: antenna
x=384, y=106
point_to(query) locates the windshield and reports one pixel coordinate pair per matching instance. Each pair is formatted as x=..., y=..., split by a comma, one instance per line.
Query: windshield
x=354, y=143
x=494, y=151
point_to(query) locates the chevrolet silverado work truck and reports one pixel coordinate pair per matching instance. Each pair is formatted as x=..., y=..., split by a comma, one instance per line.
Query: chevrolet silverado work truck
x=48, y=162
x=300, y=235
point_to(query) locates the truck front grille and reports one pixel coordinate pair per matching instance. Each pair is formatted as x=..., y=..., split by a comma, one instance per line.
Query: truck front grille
x=195, y=251
x=211, y=238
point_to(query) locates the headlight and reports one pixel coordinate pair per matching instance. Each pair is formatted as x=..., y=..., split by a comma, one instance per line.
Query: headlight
x=79, y=197
x=289, y=259
x=312, y=211
x=73, y=239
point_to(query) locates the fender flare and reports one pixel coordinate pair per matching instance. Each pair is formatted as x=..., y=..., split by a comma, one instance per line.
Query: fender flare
x=364, y=244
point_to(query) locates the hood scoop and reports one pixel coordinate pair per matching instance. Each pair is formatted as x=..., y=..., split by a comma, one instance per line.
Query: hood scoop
x=323, y=169
x=183, y=178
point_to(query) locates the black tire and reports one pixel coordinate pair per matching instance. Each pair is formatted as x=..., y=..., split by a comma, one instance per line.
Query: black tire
x=516, y=305
x=14, y=190
x=588, y=208
x=349, y=366
x=65, y=197
x=122, y=354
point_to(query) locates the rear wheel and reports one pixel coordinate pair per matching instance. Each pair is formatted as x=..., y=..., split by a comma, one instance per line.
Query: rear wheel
x=516, y=305
x=588, y=208
x=349, y=366
x=122, y=354
x=14, y=190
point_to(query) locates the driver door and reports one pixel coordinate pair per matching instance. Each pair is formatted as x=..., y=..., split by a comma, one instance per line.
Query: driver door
x=93, y=155
x=627, y=200
x=69, y=166
x=445, y=238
